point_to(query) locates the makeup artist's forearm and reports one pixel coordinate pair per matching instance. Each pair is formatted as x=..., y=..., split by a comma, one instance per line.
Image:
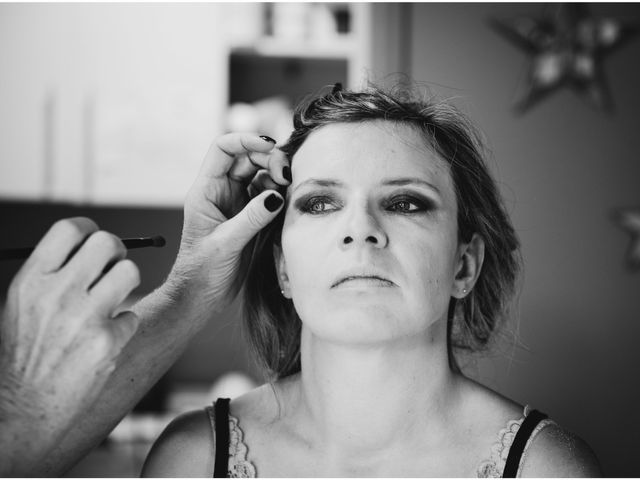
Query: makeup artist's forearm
x=168, y=320
x=22, y=438
x=21, y=444
x=30, y=427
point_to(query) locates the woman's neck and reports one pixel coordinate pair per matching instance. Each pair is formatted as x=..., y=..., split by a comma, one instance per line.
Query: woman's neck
x=355, y=400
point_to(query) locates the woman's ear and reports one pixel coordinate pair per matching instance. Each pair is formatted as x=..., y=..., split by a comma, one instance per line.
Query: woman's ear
x=470, y=258
x=281, y=271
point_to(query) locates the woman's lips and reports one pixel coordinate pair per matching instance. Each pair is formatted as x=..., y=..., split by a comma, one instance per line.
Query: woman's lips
x=363, y=281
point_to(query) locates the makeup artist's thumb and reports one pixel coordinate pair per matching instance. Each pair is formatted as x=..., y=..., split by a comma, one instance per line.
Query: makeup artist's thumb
x=256, y=215
x=123, y=326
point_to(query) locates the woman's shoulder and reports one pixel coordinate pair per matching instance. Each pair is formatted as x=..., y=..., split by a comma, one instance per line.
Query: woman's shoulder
x=184, y=449
x=255, y=404
x=556, y=452
x=486, y=408
x=263, y=406
x=553, y=451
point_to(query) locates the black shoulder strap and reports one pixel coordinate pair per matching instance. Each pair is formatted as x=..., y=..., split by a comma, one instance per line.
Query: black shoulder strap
x=520, y=441
x=221, y=412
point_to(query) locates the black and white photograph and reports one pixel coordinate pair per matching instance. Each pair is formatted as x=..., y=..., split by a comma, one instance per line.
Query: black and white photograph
x=319, y=239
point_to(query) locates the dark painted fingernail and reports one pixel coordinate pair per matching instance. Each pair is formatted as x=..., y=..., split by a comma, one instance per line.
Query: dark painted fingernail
x=286, y=173
x=272, y=202
x=268, y=139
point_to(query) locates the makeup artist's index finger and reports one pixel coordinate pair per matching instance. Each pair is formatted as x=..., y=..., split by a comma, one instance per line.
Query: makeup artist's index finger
x=276, y=163
x=224, y=151
x=60, y=241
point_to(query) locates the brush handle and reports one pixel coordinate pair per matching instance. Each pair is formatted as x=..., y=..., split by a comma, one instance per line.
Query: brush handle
x=24, y=252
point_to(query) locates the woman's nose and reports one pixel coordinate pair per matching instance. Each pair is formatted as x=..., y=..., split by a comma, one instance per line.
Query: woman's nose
x=363, y=228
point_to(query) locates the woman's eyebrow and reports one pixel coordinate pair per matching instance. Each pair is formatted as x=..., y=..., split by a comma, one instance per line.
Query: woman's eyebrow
x=326, y=182
x=319, y=182
x=410, y=181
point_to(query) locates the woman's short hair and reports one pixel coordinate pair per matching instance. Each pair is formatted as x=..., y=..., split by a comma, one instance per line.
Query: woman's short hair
x=272, y=324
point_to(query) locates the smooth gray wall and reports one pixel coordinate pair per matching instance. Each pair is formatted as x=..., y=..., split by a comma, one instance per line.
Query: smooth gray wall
x=562, y=167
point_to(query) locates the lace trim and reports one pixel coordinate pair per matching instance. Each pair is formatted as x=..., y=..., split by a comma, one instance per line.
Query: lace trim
x=239, y=466
x=493, y=467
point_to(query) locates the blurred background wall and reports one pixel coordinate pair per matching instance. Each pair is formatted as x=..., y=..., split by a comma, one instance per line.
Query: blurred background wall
x=563, y=167
x=106, y=111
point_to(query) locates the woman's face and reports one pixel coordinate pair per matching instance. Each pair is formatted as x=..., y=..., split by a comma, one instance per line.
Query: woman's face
x=369, y=243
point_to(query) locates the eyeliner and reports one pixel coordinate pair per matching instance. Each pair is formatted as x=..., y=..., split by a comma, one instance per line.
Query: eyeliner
x=24, y=252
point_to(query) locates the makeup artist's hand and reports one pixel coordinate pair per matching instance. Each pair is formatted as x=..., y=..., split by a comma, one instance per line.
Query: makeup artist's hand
x=60, y=335
x=220, y=218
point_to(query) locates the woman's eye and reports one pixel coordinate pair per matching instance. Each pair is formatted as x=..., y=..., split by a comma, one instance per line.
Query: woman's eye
x=407, y=205
x=403, y=206
x=318, y=205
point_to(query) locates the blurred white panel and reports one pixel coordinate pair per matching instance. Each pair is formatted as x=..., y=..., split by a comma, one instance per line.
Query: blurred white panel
x=135, y=93
x=24, y=84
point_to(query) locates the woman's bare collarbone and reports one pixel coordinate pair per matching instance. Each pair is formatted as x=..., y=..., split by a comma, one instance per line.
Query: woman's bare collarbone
x=278, y=448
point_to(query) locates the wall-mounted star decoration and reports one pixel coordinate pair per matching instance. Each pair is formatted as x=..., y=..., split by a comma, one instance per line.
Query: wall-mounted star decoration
x=567, y=47
x=629, y=220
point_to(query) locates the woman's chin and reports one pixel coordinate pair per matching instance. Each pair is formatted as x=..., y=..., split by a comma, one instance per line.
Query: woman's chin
x=358, y=324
